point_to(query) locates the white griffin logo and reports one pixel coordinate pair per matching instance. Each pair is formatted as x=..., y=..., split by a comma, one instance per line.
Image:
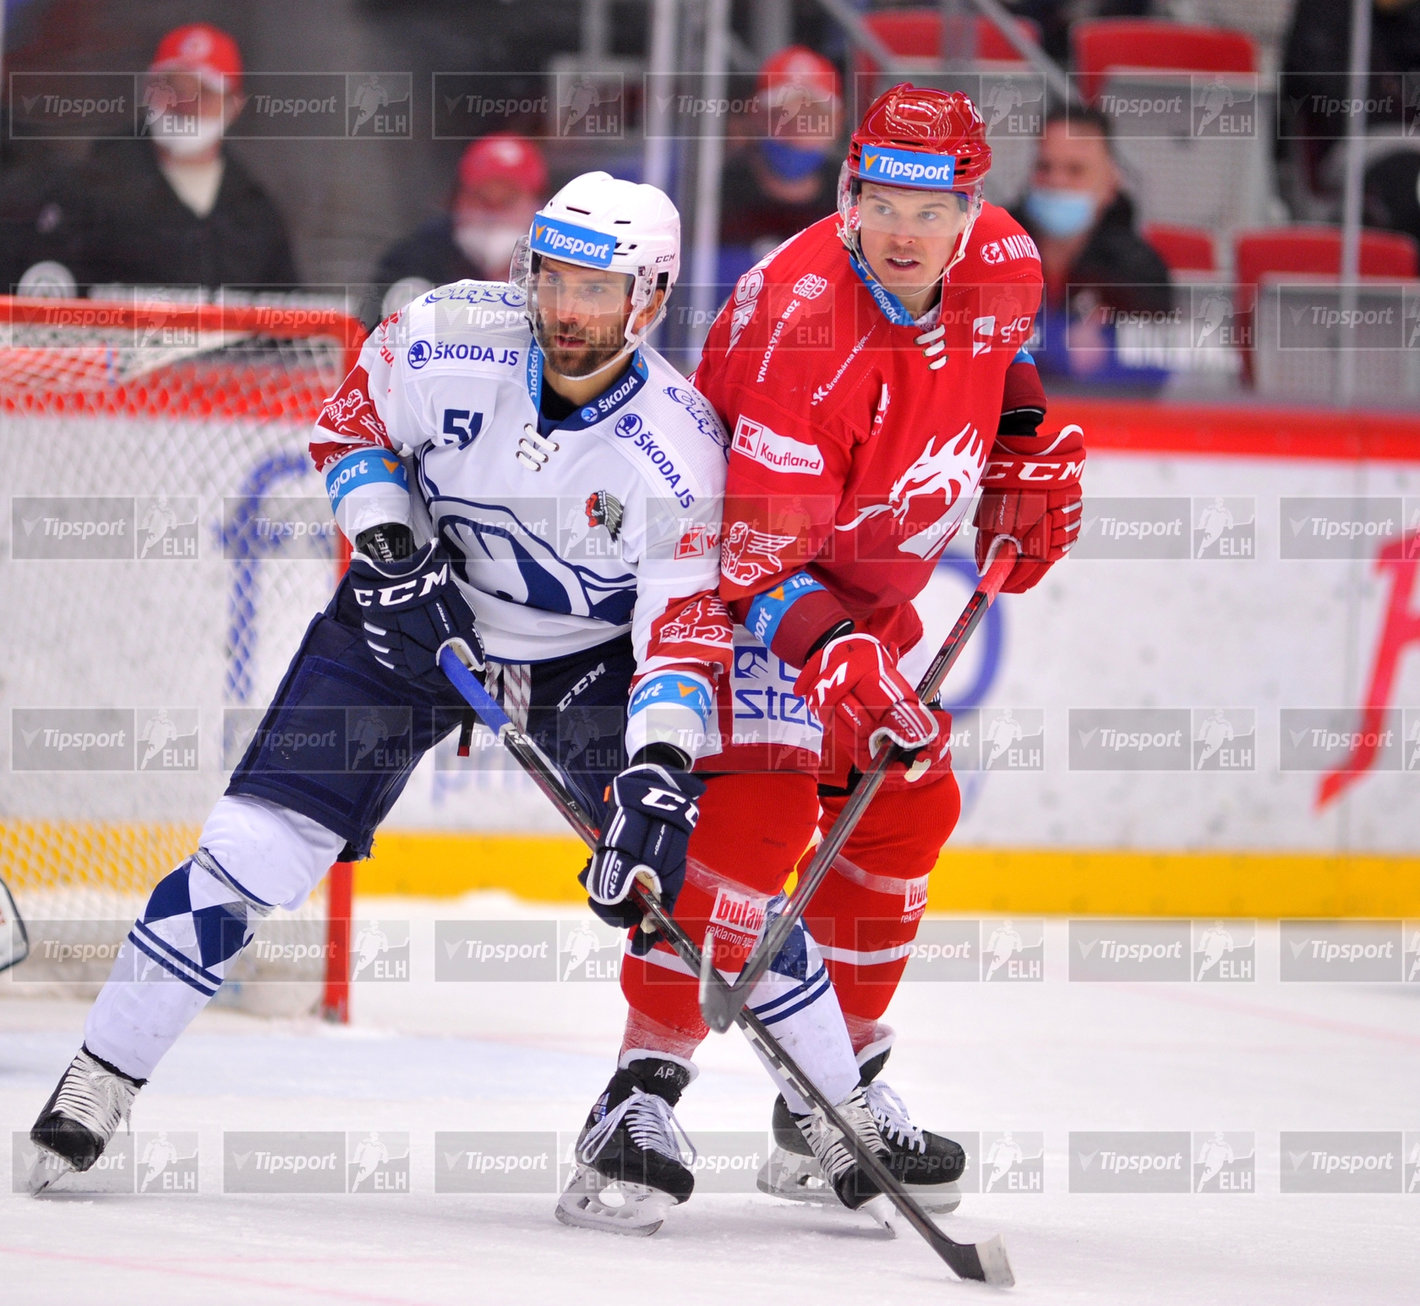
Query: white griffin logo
x=947, y=469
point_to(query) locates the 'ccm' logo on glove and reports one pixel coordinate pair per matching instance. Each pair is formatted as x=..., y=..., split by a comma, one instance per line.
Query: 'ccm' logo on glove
x=394, y=596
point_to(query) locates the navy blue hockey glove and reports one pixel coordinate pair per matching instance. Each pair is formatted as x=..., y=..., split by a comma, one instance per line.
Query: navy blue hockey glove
x=409, y=607
x=649, y=821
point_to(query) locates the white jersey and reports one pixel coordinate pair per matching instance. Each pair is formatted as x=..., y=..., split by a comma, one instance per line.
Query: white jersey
x=563, y=537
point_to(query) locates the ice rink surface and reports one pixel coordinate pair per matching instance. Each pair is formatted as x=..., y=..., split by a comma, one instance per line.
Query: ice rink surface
x=1041, y=1058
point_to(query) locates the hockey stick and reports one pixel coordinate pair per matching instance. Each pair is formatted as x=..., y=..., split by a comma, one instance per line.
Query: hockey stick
x=984, y=1261
x=719, y=1003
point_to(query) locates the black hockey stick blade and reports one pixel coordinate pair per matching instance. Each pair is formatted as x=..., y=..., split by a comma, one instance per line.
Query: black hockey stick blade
x=984, y=1261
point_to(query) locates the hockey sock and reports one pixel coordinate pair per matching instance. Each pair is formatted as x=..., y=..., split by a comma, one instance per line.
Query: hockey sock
x=171, y=964
x=253, y=856
x=867, y=911
x=795, y=999
x=752, y=829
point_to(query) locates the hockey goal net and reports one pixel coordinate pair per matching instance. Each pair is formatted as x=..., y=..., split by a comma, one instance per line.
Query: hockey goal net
x=168, y=542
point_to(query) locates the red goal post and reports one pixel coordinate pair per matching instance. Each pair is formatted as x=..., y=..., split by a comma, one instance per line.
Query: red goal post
x=168, y=543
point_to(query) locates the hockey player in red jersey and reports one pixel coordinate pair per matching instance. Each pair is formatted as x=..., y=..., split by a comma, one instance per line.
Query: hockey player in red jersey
x=872, y=373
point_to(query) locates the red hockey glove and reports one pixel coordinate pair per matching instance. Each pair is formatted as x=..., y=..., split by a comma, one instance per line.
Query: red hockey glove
x=855, y=683
x=1030, y=492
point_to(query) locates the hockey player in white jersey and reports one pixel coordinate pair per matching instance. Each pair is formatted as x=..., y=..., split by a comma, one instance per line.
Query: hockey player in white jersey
x=473, y=419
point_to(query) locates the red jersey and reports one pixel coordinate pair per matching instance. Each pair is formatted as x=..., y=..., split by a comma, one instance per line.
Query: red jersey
x=858, y=442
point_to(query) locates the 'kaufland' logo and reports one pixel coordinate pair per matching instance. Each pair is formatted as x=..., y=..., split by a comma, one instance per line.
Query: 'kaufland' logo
x=778, y=452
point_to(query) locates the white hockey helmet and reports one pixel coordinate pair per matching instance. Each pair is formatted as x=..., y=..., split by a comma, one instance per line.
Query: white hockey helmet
x=600, y=221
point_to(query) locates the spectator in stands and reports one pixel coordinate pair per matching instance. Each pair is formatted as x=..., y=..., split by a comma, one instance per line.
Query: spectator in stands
x=1099, y=271
x=502, y=181
x=177, y=209
x=1315, y=90
x=38, y=238
x=786, y=178
x=1392, y=193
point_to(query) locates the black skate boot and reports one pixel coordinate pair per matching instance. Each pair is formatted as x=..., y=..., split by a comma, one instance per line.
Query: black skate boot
x=633, y=1147
x=824, y=1146
x=927, y=1164
x=85, y=1110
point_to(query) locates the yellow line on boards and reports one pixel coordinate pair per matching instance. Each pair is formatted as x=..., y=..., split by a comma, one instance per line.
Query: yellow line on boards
x=132, y=857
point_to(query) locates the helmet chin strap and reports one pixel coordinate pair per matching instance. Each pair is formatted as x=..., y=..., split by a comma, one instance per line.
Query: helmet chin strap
x=973, y=212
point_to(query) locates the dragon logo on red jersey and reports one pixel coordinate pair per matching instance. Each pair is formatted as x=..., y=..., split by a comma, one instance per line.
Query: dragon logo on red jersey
x=948, y=469
x=747, y=556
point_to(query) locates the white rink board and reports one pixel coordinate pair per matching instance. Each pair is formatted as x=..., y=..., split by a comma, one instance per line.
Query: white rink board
x=1262, y=633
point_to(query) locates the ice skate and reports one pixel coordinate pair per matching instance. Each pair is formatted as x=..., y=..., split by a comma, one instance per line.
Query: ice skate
x=630, y=1157
x=85, y=1110
x=926, y=1164
x=843, y=1178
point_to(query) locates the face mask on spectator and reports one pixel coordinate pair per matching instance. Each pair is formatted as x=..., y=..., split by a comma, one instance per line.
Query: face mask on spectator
x=488, y=245
x=790, y=162
x=189, y=142
x=1061, y=213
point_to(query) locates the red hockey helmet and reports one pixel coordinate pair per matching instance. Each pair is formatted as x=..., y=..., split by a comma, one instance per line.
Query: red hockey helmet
x=942, y=128
x=921, y=139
